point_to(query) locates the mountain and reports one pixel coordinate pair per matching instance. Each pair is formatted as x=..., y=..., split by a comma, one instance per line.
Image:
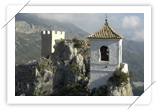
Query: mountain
x=133, y=54
x=29, y=23
x=133, y=46
x=27, y=47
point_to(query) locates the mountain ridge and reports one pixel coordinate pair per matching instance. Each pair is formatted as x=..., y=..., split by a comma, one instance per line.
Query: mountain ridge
x=50, y=25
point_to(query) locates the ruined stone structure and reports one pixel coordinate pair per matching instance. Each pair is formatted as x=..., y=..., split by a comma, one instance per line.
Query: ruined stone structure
x=105, y=55
x=48, y=41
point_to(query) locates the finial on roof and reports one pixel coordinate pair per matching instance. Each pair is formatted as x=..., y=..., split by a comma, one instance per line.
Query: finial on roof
x=106, y=23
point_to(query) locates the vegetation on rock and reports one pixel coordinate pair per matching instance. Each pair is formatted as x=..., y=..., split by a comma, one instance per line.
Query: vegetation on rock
x=73, y=89
x=74, y=68
x=119, y=77
x=77, y=43
x=101, y=91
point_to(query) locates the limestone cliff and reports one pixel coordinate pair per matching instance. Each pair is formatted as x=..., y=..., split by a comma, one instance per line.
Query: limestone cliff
x=68, y=65
x=65, y=72
x=123, y=90
x=119, y=83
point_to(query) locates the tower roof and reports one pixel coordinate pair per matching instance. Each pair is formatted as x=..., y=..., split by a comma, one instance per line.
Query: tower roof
x=106, y=32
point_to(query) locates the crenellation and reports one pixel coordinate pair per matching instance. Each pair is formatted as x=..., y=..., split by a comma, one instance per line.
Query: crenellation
x=59, y=32
x=48, y=32
x=43, y=32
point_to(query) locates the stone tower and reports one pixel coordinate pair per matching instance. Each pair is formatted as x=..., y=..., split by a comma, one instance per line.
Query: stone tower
x=105, y=55
x=48, y=39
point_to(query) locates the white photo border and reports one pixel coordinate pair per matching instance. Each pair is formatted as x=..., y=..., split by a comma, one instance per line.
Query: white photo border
x=12, y=99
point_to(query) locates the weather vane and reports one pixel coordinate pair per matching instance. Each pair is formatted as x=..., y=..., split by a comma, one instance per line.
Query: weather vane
x=106, y=16
x=106, y=23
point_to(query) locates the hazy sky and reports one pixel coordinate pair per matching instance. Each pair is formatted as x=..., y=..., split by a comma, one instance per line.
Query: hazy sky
x=129, y=25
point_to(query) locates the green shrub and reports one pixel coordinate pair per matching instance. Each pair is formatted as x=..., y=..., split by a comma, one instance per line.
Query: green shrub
x=88, y=44
x=77, y=42
x=119, y=77
x=69, y=40
x=121, y=66
x=92, y=92
x=72, y=89
x=100, y=91
x=74, y=68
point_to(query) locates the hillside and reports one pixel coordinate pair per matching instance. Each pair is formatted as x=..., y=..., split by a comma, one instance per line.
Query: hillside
x=133, y=54
x=29, y=23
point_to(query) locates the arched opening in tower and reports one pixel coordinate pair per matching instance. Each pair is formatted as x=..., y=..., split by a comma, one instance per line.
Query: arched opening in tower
x=104, y=53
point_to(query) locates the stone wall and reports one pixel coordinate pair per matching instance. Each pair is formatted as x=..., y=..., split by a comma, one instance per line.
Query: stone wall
x=56, y=35
x=45, y=43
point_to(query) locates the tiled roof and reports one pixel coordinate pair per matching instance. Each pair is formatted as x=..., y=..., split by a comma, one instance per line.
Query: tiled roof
x=106, y=32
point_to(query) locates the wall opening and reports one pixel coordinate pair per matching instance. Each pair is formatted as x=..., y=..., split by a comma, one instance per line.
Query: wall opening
x=104, y=53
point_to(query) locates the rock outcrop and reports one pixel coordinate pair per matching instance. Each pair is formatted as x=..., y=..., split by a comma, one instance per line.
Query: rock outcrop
x=114, y=88
x=67, y=65
x=24, y=80
x=123, y=90
x=34, y=79
x=65, y=72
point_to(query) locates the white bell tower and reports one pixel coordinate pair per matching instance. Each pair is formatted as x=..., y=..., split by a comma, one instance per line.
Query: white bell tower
x=105, y=55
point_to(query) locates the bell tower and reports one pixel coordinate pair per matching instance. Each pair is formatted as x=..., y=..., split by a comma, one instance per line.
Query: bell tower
x=105, y=55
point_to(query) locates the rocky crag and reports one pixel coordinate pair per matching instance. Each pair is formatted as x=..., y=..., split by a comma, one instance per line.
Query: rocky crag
x=66, y=72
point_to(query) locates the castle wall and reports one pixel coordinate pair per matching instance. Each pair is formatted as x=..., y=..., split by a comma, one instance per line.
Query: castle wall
x=48, y=41
x=102, y=70
x=56, y=35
